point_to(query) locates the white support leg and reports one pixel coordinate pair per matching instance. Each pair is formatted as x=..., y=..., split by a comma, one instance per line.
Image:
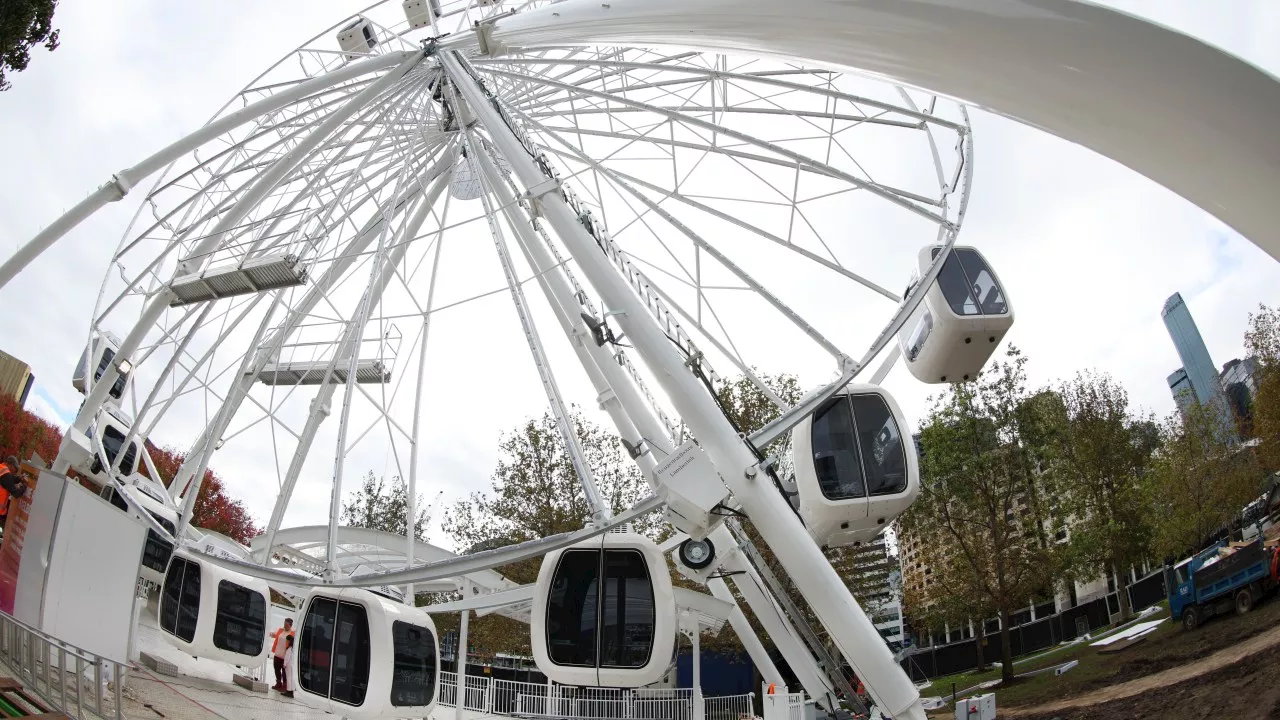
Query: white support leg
x=461, y=658
x=699, y=707
x=822, y=587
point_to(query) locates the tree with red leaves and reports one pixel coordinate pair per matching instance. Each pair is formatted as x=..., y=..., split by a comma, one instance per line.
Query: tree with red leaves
x=23, y=433
x=214, y=509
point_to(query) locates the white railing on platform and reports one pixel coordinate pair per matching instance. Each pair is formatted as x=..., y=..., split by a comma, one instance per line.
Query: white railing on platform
x=542, y=700
x=69, y=680
x=730, y=707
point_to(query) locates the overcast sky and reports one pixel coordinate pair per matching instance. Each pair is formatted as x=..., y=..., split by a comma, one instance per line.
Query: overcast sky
x=1088, y=250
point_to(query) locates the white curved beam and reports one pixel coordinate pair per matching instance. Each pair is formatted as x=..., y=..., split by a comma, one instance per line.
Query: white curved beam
x=122, y=182
x=1185, y=114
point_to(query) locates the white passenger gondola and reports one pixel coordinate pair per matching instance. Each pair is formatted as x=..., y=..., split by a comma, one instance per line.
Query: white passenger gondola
x=106, y=441
x=157, y=551
x=962, y=319
x=360, y=655
x=616, y=633
x=855, y=468
x=215, y=613
x=358, y=38
x=99, y=356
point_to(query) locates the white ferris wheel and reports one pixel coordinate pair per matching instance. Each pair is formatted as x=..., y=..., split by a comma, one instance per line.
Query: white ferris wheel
x=441, y=213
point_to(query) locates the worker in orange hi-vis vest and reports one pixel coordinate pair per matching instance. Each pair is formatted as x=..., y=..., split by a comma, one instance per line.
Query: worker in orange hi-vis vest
x=11, y=486
x=772, y=688
x=278, y=648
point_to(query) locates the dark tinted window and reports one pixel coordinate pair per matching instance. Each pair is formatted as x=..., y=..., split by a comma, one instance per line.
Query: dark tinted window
x=413, y=678
x=626, y=632
x=241, y=622
x=117, y=389
x=315, y=646
x=835, y=451
x=114, y=498
x=969, y=285
x=157, y=551
x=170, y=594
x=955, y=286
x=572, y=609
x=881, y=443
x=351, y=655
x=988, y=294
x=180, y=599
x=189, y=603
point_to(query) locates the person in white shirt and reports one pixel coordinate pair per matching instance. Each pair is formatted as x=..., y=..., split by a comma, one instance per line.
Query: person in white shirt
x=288, y=667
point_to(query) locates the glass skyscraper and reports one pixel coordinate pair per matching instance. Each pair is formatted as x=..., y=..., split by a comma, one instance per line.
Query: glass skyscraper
x=1198, y=370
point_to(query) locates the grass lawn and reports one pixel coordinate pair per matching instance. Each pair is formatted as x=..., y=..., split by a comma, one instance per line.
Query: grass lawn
x=1033, y=661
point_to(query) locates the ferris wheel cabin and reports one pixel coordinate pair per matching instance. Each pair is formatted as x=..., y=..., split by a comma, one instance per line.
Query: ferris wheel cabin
x=157, y=551
x=99, y=355
x=604, y=613
x=360, y=655
x=358, y=38
x=855, y=469
x=211, y=612
x=962, y=319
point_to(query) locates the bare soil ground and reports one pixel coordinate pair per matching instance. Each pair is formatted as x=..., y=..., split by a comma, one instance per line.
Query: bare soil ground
x=1225, y=669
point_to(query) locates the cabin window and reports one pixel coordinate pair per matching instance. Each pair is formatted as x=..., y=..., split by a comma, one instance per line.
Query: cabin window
x=572, y=609
x=835, y=451
x=919, y=335
x=351, y=655
x=969, y=285
x=986, y=291
x=614, y=622
x=180, y=601
x=157, y=551
x=955, y=285
x=881, y=444
x=315, y=646
x=413, y=679
x=241, y=623
x=626, y=634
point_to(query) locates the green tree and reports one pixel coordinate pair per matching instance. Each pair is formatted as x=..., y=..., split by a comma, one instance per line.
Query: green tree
x=1099, y=454
x=535, y=493
x=1197, y=483
x=974, y=496
x=943, y=598
x=375, y=506
x=24, y=24
x=1262, y=342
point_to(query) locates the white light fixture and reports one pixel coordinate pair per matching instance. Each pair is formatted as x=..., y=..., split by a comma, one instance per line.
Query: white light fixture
x=124, y=366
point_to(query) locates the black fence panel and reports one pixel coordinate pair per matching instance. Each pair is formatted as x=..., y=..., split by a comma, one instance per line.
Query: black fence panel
x=1148, y=591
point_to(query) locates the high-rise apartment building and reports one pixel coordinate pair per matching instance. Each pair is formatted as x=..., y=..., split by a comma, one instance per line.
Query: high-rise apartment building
x=1184, y=395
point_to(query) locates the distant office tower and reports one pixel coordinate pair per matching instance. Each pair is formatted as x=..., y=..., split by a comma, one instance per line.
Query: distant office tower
x=1184, y=396
x=1200, y=371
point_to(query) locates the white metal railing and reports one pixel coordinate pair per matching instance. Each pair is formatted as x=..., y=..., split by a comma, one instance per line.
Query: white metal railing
x=544, y=700
x=70, y=680
x=730, y=707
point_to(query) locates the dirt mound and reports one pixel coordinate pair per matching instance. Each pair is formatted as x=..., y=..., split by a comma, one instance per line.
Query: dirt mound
x=1244, y=690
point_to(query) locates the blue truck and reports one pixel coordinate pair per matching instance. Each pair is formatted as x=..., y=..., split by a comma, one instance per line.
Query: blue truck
x=1219, y=578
